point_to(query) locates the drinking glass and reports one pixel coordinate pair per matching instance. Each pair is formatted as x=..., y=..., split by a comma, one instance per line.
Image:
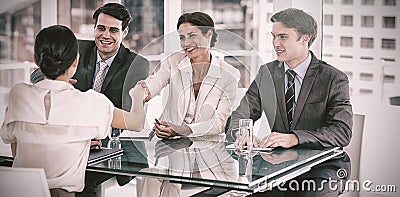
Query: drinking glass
x=115, y=162
x=114, y=144
x=246, y=131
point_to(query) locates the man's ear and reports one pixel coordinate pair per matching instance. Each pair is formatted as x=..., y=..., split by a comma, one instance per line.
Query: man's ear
x=306, y=38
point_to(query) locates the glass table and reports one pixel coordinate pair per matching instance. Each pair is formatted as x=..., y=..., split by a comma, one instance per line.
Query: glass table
x=206, y=161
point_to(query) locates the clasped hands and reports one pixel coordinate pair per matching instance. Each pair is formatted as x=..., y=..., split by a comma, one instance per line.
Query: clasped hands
x=167, y=130
x=272, y=140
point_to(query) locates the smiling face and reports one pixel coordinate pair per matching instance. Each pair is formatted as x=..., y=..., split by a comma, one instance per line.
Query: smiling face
x=195, y=44
x=108, y=35
x=289, y=46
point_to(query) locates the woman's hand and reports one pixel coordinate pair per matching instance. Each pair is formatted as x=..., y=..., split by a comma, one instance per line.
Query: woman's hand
x=167, y=130
x=143, y=84
x=138, y=92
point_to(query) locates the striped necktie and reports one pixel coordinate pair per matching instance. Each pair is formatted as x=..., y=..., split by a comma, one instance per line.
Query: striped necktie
x=98, y=81
x=289, y=96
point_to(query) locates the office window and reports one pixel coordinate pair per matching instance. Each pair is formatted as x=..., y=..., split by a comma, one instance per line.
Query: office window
x=366, y=76
x=346, y=41
x=367, y=21
x=388, y=59
x=366, y=58
x=389, y=2
x=347, y=2
x=328, y=40
x=388, y=43
x=367, y=2
x=328, y=19
x=17, y=32
x=346, y=56
x=365, y=92
x=367, y=43
x=328, y=1
x=389, y=22
x=389, y=78
x=346, y=20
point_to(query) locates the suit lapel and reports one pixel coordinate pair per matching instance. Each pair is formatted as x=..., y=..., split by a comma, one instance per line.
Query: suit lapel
x=91, y=67
x=185, y=70
x=279, y=78
x=213, y=74
x=308, y=82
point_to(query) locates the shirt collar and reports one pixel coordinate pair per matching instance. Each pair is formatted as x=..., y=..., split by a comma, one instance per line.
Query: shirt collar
x=48, y=84
x=108, y=61
x=300, y=69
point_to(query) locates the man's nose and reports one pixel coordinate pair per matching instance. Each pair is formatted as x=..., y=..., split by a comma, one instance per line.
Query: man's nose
x=275, y=42
x=106, y=33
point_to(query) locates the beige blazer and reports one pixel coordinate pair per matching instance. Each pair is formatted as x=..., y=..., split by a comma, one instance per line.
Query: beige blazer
x=214, y=100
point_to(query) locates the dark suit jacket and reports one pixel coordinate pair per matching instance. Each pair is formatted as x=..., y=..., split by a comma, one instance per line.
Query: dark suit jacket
x=323, y=116
x=124, y=72
x=126, y=69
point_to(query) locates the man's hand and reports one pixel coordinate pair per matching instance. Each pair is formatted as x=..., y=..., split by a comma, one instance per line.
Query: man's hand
x=280, y=140
x=72, y=81
x=95, y=144
x=242, y=142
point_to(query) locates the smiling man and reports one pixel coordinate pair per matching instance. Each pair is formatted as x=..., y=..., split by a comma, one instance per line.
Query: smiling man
x=122, y=68
x=306, y=100
x=105, y=64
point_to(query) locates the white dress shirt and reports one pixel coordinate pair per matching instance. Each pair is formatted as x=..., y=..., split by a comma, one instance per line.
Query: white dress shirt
x=55, y=136
x=300, y=70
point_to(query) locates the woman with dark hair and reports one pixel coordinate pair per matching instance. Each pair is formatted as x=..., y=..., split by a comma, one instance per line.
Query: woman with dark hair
x=202, y=86
x=57, y=120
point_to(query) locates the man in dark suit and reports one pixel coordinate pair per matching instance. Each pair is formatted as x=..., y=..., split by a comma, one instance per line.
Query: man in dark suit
x=306, y=100
x=123, y=69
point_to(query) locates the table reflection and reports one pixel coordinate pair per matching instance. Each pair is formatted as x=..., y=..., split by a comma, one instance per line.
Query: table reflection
x=198, y=158
x=162, y=166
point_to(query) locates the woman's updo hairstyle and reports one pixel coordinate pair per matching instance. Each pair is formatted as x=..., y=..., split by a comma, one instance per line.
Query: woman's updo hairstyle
x=56, y=48
x=203, y=21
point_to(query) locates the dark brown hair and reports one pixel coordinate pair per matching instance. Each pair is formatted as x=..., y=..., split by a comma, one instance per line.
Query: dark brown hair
x=201, y=20
x=115, y=10
x=56, y=48
x=304, y=23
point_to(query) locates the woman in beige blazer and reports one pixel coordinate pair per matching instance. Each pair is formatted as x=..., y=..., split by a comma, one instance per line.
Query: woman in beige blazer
x=201, y=86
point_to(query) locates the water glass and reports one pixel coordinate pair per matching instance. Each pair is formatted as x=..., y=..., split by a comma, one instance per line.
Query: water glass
x=115, y=163
x=246, y=131
x=114, y=144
